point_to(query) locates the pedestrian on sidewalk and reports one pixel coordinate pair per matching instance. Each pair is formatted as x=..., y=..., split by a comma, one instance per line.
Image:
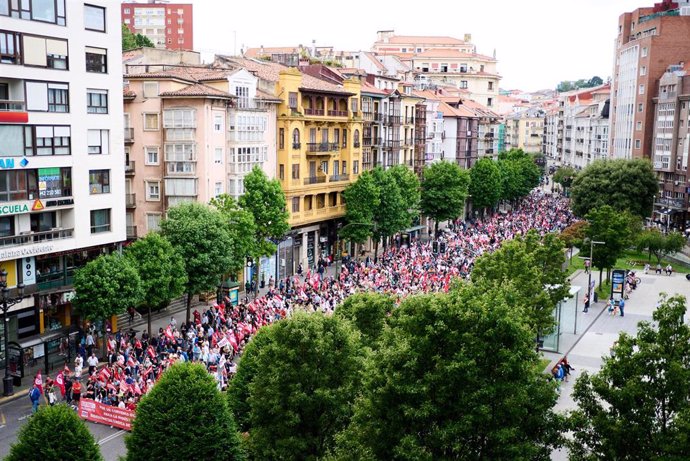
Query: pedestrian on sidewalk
x=669, y=270
x=35, y=397
x=658, y=268
x=93, y=363
x=621, y=306
x=567, y=368
x=586, y=309
x=588, y=263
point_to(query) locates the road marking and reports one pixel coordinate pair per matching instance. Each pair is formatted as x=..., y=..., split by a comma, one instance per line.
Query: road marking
x=111, y=437
x=2, y=419
x=22, y=418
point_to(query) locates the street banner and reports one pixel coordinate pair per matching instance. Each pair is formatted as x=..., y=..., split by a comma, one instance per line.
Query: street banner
x=96, y=412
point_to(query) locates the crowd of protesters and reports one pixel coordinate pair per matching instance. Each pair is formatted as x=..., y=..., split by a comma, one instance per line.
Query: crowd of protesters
x=216, y=335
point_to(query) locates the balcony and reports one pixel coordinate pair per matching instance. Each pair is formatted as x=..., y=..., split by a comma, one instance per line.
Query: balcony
x=356, y=144
x=392, y=144
x=322, y=147
x=409, y=120
x=131, y=200
x=379, y=117
x=394, y=120
x=251, y=104
x=296, y=145
x=339, y=177
x=129, y=167
x=337, y=113
x=28, y=238
x=131, y=232
x=7, y=105
x=314, y=180
x=129, y=135
x=313, y=111
x=366, y=141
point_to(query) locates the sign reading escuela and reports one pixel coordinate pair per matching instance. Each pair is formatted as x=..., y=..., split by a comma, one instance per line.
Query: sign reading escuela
x=7, y=209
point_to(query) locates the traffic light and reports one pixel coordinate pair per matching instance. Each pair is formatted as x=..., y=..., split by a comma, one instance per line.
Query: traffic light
x=434, y=247
x=442, y=247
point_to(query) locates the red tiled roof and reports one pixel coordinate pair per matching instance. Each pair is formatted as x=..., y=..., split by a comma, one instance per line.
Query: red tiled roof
x=269, y=71
x=316, y=84
x=257, y=52
x=198, y=90
x=187, y=73
x=372, y=57
x=371, y=89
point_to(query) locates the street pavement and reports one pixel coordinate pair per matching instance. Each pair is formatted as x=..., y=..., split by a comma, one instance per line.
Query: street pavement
x=597, y=339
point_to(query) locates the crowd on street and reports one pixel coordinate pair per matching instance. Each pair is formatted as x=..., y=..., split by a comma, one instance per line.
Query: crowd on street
x=217, y=335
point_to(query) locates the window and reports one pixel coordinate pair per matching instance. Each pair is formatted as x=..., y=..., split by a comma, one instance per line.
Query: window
x=638, y=126
x=356, y=138
x=99, y=181
x=643, y=70
x=292, y=100
x=295, y=171
x=344, y=170
x=127, y=21
x=644, y=52
x=336, y=136
x=37, y=140
x=295, y=139
x=219, y=188
x=490, y=85
x=640, y=107
x=7, y=226
x=218, y=123
x=179, y=118
x=98, y=142
x=151, y=121
x=150, y=89
x=324, y=167
x=218, y=156
x=52, y=11
x=96, y=60
x=354, y=105
x=47, y=97
x=463, y=84
x=94, y=18
x=58, y=98
x=344, y=137
x=43, y=222
x=100, y=221
x=153, y=222
x=281, y=138
x=153, y=191
x=151, y=155
x=641, y=91
x=355, y=167
x=127, y=11
x=295, y=204
x=10, y=48
x=637, y=143
x=281, y=171
x=13, y=186
x=489, y=102
x=97, y=101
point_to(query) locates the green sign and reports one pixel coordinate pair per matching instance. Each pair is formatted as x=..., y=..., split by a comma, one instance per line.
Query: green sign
x=14, y=208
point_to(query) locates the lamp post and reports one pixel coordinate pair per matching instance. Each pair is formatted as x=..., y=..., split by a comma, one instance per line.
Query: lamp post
x=7, y=302
x=591, y=267
x=250, y=279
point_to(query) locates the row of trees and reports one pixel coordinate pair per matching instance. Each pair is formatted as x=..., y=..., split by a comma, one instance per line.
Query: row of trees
x=197, y=248
x=383, y=202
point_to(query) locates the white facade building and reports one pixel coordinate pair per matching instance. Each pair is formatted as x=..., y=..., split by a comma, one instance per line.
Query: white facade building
x=62, y=159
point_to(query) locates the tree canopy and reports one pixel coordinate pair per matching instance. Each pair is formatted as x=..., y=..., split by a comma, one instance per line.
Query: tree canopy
x=625, y=185
x=564, y=176
x=485, y=183
x=368, y=312
x=106, y=286
x=362, y=199
x=201, y=237
x=55, y=433
x=637, y=407
x=242, y=228
x=184, y=416
x=660, y=245
x=444, y=190
x=306, y=374
x=131, y=40
x=392, y=216
x=611, y=227
x=569, y=85
x=434, y=390
x=408, y=183
x=265, y=200
x=160, y=268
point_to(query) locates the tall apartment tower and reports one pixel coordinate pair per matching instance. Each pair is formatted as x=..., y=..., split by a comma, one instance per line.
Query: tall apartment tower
x=168, y=25
x=62, y=165
x=648, y=41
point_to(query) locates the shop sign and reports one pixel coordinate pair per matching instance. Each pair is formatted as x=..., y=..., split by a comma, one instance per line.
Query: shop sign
x=29, y=269
x=8, y=209
x=9, y=163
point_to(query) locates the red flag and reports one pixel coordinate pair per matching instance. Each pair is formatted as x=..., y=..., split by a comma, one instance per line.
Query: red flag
x=110, y=346
x=169, y=333
x=60, y=381
x=38, y=381
x=105, y=374
x=136, y=388
x=123, y=386
x=66, y=369
x=111, y=386
x=131, y=362
x=148, y=371
x=151, y=351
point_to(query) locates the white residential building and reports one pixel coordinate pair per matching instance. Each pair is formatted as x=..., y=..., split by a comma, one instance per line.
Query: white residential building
x=62, y=179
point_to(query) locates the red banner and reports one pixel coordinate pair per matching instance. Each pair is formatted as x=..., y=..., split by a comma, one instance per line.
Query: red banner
x=93, y=411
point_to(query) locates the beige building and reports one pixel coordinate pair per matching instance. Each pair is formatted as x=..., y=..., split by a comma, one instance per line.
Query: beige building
x=525, y=130
x=445, y=60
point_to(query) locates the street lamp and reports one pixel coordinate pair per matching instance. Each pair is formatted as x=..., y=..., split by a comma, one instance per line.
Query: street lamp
x=7, y=302
x=591, y=267
x=250, y=279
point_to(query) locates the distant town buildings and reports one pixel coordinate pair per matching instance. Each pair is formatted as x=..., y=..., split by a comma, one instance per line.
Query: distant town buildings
x=167, y=25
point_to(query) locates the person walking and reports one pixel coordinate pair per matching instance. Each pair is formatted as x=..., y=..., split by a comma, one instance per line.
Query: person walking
x=588, y=263
x=35, y=397
x=658, y=269
x=93, y=363
x=586, y=309
x=669, y=270
x=621, y=306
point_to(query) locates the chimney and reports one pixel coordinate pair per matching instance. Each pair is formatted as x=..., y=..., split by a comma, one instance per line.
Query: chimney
x=468, y=38
x=384, y=35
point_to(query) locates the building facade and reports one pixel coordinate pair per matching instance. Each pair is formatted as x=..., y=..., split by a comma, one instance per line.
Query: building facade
x=648, y=41
x=62, y=162
x=525, y=130
x=167, y=25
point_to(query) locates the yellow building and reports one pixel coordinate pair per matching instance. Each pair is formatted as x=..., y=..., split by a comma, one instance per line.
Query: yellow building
x=525, y=130
x=319, y=153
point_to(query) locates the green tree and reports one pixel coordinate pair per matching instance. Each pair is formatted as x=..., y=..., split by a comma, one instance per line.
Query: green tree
x=485, y=183
x=368, y=312
x=306, y=374
x=408, y=183
x=564, y=176
x=105, y=287
x=160, y=269
x=622, y=184
x=184, y=416
x=131, y=41
x=564, y=86
x=511, y=180
x=637, y=407
x=533, y=267
x=574, y=235
x=660, y=245
x=242, y=230
x=362, y=199
x=265, y=200
x=55, y=433
x=595, y=81
x=444, y=190
x=201, y=237
x=435, y=391
x=392, y=216
x=613, y=228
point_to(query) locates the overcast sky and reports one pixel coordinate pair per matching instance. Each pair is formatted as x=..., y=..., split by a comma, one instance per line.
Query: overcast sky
x=538, y=43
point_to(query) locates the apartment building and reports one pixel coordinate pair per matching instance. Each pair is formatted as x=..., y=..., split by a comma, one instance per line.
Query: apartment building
x=167, y=25
x=525, y=130
x=671, y=108
x=648, y=41
x=62, y=182
x=445, y=60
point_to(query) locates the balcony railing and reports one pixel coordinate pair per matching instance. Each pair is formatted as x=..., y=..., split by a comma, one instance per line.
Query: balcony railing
x=392, y=144
x=7, y=105
x=409, y=120
x=251, y=104
x=313, y=111
x=27, y=238
x=366, y=141
x=379, y=117
x=337, y=113
x=314, y=180
x=131, y=200
x=129, y=167
x=296, y=145
x=322, y=147
x=129, y=135
x=394, y=119
x=131, y=232
x=339, y=177
x=356, y=144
